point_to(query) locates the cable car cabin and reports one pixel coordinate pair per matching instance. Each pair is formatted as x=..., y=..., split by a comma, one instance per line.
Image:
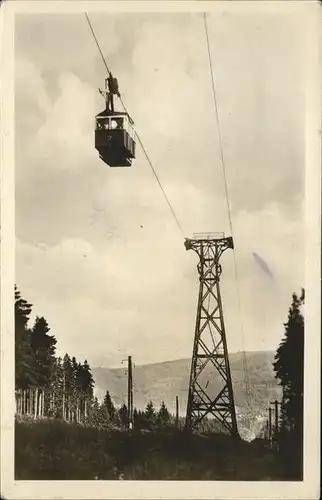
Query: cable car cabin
x=114, y=138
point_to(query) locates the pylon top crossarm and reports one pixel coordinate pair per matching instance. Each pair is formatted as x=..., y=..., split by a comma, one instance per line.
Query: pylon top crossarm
x=217, y=245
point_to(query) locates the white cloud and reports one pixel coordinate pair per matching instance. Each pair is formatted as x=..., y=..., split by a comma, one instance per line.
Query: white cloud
x=98, y=251
x=65, y=138
x=145, y=291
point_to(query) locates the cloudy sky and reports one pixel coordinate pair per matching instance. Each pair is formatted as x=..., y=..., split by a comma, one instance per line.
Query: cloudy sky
x=98, y=252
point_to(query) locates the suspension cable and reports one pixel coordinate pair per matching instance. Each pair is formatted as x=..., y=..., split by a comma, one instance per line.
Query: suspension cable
x=137, y=135
x=155, y=174
x=97, y=44
x=228, y=202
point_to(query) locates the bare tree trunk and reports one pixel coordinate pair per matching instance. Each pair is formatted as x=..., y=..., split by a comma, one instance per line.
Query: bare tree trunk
x=17, y=400
x=36, y=404
x=64, y=398
x=39, y=402
x=28, y=401
x=41, y=396
x=69, y=412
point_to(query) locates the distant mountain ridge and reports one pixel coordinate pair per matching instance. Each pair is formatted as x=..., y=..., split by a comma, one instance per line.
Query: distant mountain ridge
x=166, y=380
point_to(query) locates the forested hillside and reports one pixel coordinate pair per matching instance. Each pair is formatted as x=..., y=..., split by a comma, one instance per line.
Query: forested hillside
x=67, y=433
x=163, y=381
x=47, y=385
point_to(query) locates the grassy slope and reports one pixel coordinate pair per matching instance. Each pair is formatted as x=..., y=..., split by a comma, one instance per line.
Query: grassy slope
x=55, y=450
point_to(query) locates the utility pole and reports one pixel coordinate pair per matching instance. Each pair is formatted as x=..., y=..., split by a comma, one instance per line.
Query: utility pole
x=130, y=393
x=266, y=430
x=177, y=412
x=276, y=427
x=275, y=403
x=270, y=425
x=205, y=398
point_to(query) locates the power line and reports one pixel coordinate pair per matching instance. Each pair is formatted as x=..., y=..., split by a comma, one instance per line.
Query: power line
x=227, y=196
x=137, y=135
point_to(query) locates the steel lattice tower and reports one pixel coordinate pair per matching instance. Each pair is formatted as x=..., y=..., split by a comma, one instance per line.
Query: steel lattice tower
x=210, y=386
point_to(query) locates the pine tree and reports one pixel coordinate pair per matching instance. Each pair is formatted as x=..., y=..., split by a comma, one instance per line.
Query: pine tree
x=109, y=406
x=86, y=384
x=289, y=370
x=163, y=417
x=88, y=380
x=139, y=419
x=96, y=417
x=123, y=415
x=44, y=348
x=75, y=391
x=68, y=382
x=150, y=415
x=23, y=353
x=80, y=392
x=289, y=366
x=57, y=389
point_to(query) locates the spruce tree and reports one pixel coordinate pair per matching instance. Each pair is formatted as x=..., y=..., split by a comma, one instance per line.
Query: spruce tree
x=109, y=406
x=139, y=419
x=23, y=353
x=44, y=348
x=57, y=389
x=86, y=383
x=123, y=415
x=150, y=415
x=88, y=380
x=75, y=390
x=163, y=417
x=289, y=370
x=289, y=367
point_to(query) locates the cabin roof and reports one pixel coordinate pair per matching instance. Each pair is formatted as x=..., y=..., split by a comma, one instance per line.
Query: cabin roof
x=107, y=113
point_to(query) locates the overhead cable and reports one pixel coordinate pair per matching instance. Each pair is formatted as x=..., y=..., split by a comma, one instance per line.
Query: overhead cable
x=137, y=135
x=227, y=196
